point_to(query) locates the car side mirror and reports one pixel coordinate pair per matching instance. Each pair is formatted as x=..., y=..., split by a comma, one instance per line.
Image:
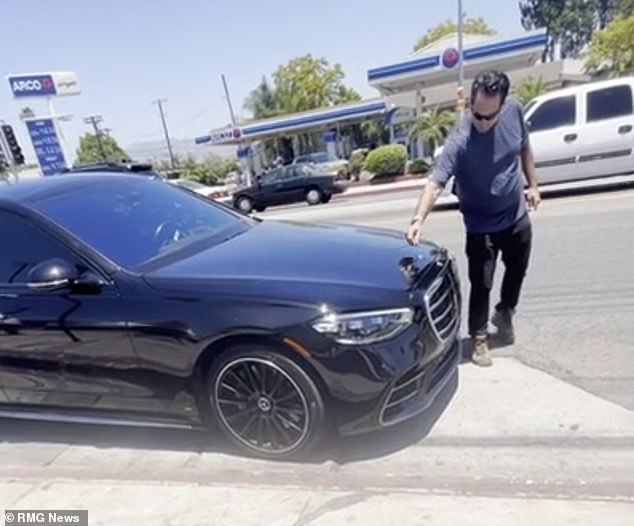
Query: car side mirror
x=52, y=274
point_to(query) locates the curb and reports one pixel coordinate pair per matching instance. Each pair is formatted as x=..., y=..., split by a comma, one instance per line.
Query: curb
x=377, y=190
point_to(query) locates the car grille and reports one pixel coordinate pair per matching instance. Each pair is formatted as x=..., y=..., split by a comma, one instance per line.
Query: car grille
x=413, y=385
x=443, y=305
x=440, y=323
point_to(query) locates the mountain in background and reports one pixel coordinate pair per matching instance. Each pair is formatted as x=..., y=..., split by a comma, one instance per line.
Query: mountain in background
x=153, y=151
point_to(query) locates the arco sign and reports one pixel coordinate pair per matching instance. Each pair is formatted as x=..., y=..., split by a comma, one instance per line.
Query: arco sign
x=54, y=84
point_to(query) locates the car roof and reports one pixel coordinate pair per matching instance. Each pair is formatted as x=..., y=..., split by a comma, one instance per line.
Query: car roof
x=29, y=189
x=106, y=166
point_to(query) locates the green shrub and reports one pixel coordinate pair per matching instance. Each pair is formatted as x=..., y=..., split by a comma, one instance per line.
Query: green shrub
x=418, y=166
x=387, y=160
x=356, y=164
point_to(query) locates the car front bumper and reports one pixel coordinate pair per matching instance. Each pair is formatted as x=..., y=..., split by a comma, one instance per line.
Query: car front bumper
x=408, y=394
x=374, y=386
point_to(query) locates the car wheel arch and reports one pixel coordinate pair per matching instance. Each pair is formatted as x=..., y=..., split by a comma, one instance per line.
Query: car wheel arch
x=217, y=355
x=240, y=197
x=214, y=351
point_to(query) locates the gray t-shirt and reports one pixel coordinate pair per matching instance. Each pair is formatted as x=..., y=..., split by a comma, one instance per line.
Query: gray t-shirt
x=489, y=182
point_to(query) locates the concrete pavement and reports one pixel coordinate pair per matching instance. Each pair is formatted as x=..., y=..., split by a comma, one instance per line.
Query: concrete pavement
x=513, y=443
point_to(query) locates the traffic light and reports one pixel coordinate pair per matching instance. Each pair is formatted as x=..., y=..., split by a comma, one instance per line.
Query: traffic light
x=12, y=143
x=3, y=161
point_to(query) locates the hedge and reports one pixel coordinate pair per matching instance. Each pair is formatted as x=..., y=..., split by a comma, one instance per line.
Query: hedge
x=387, y=160
x=418, y=166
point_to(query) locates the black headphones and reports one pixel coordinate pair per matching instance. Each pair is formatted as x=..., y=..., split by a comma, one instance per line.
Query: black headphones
x=491, y=83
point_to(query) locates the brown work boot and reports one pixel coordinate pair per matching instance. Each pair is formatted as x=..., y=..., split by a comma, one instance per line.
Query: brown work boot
x=481, y=355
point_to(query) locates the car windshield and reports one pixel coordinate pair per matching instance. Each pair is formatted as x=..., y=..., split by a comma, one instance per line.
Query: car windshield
x=133, y=221
x=322, y=157
x=319, y=157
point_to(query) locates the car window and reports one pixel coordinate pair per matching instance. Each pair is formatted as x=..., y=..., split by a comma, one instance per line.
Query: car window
x=553, y=113
x=608, y=103
x=291, y=172
x=271, y=177
x=528, y=106
x=304, y=171
x=24, y=246
x=134, y=221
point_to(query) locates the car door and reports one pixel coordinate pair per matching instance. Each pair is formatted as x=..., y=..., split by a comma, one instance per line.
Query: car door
x=607, y=135
x=58, y=347
x=554, y=136
x=299, y=180
x=275, y=186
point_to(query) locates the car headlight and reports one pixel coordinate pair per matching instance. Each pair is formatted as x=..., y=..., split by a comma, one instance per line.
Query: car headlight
x=361, y=328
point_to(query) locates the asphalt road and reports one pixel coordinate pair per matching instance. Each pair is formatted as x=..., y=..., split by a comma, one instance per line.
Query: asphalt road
x=576, y=317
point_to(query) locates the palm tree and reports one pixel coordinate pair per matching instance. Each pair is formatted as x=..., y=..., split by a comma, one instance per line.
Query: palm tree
x=263, y=101
x=374, y=131
x=530, y=88
x=433, y=126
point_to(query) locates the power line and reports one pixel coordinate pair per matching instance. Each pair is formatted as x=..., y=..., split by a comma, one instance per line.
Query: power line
x=159, y=102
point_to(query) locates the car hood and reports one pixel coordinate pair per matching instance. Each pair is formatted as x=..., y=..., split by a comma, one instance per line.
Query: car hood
x=291, y=260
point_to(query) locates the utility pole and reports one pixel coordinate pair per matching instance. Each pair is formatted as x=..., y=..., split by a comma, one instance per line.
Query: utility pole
x=160, y=102
x=460, y=93
x=94, y=120
x=231, y=114
x=234, y=123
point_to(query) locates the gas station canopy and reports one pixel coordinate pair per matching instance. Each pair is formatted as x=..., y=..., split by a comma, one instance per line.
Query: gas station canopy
x=426, y=78
x=437, y=64
x=296, y=123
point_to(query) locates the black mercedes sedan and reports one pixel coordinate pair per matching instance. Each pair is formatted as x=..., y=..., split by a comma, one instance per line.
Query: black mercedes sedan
x=126, y=301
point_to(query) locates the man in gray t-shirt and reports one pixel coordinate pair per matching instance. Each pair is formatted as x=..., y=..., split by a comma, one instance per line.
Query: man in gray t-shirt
x=486, y=154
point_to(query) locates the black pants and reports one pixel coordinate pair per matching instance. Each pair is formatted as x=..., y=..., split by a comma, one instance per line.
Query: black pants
x=482, y=253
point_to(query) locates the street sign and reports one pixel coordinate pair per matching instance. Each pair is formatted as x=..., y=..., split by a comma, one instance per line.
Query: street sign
x=46, y=145
x=53, y=84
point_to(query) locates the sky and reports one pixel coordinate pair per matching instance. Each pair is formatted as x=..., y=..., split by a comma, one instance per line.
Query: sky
x=127, y=53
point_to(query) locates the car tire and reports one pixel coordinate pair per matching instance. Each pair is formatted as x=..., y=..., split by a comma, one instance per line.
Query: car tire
x=244, y=204
x=326, y=198
x=265, y=403
x=314, y=196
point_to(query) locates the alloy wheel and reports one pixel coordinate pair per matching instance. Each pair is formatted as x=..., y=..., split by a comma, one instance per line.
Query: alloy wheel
x=313, y=196
x=245, y=205
x=261, y=405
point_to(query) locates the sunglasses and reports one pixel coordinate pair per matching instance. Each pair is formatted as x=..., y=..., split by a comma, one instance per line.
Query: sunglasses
x=489, y=117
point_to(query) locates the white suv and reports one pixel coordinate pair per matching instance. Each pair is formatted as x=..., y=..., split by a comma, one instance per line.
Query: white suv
x=583, y=132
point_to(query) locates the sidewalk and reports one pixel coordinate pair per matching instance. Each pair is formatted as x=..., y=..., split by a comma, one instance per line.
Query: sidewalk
x=514, y=447
x=413, y=183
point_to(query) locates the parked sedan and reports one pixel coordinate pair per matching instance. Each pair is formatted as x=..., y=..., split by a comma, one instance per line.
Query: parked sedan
x=125, y=300
x=217, y=192
x=285, y=185
x=325, y=162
